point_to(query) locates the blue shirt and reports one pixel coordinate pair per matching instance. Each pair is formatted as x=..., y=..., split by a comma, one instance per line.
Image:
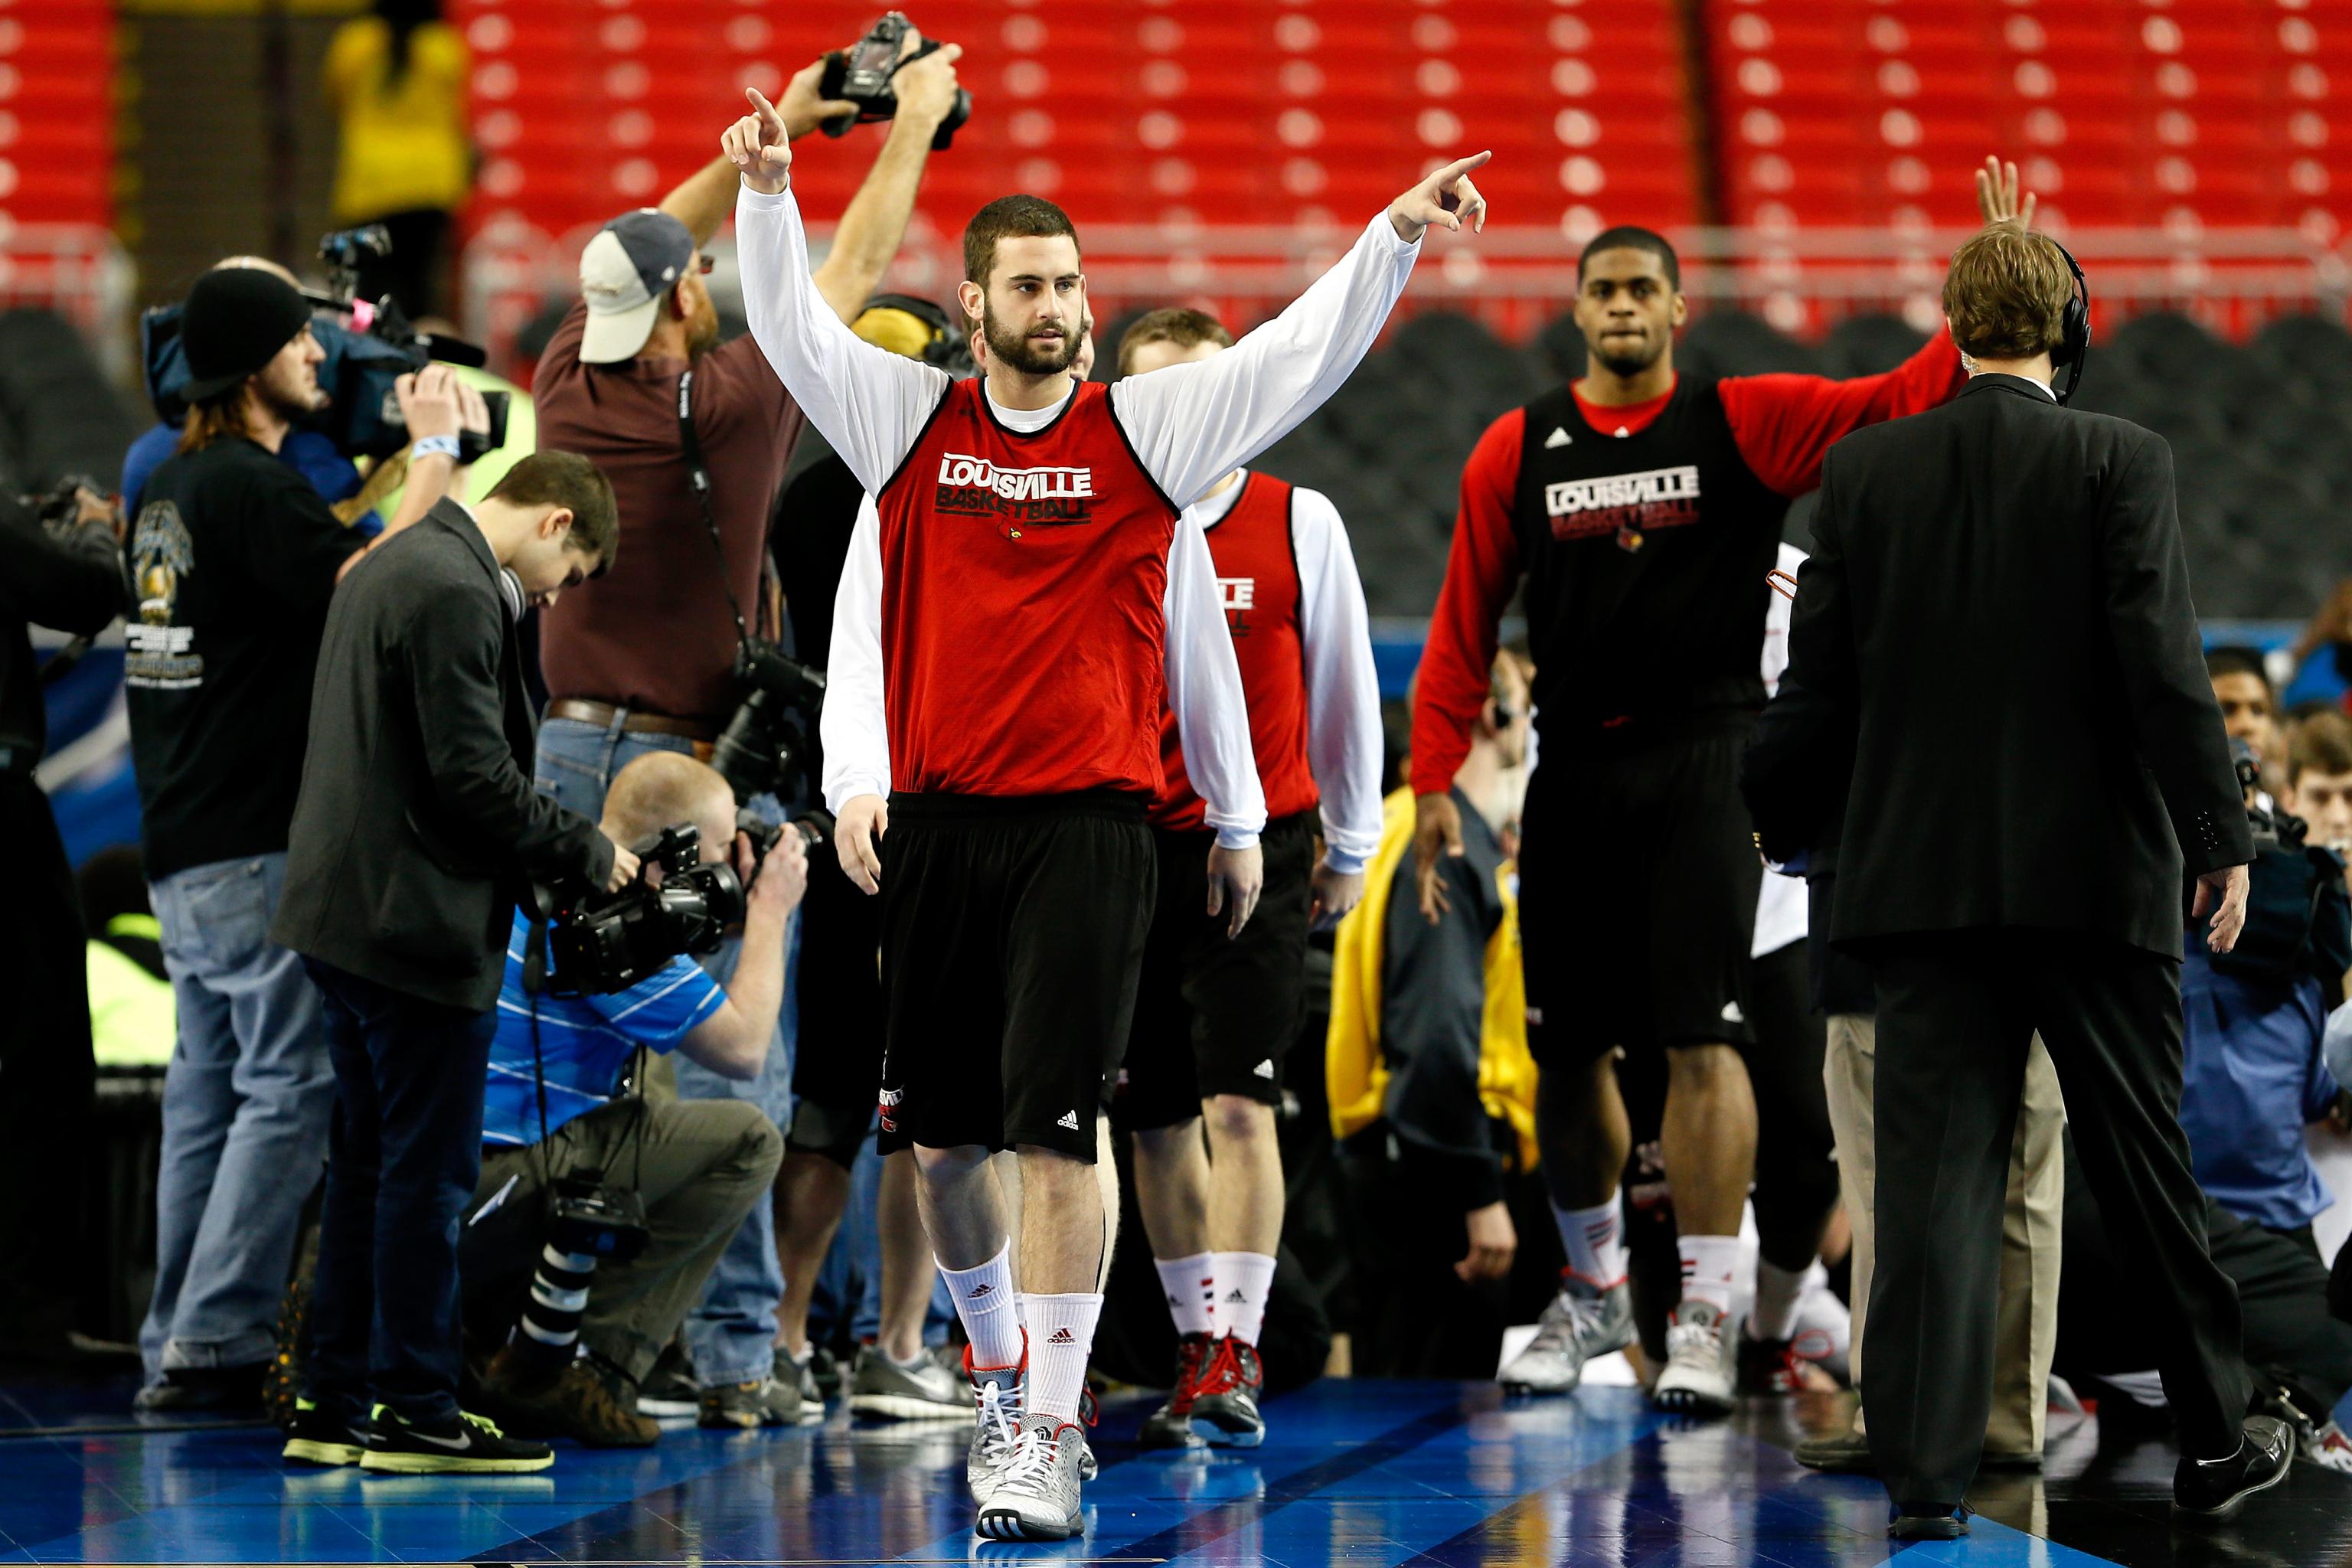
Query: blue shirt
x=2252, y=1078
x=307, y=452
x=584, y=1041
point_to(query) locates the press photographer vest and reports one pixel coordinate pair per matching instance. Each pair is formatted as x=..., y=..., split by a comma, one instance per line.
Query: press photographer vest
x=1258, y=580
x=1645, y=557
x=1023, y=630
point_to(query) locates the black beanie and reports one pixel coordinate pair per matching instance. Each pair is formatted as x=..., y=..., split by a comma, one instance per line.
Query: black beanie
x=236, y=320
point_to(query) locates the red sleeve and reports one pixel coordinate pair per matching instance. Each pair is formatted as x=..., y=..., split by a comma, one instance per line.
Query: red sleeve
x=1785, y=425
x=1457, y=664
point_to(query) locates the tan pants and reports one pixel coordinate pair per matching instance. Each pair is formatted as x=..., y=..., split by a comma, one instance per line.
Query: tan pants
x=2028, y=1319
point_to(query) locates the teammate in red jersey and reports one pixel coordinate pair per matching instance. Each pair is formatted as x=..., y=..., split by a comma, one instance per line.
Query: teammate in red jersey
x=1011, y=623
x=1215, y=1016
x=1642, y=510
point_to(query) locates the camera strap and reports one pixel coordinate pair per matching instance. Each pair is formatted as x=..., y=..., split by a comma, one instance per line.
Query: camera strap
x=698, y=477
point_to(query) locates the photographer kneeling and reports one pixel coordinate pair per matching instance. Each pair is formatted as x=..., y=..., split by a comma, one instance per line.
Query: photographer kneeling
x=556, y=1125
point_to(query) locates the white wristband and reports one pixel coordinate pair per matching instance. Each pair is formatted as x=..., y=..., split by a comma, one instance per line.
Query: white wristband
x=428, y=446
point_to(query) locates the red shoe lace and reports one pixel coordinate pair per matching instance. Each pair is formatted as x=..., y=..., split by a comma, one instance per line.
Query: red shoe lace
x=1223, y=1373
x=1192, y=1356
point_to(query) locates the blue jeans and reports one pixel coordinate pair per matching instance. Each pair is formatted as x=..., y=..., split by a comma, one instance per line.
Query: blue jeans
x=731, y=1335
x=245, y=1105
x=409, y=1080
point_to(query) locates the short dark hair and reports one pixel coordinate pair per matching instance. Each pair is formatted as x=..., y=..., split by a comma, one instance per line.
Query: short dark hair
x=1172, y=324
x=2321, y=744
x=2232, y=660
x=568, y=479
x=1009, y=217
x=1626, y=237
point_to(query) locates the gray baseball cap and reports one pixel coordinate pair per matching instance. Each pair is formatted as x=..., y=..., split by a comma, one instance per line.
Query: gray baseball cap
x=631, y=263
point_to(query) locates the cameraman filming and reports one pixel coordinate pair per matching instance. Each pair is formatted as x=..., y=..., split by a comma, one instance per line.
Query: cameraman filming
x=650, y=662
x=68, y=578
x=233, y=557
x=697, y=1166
x=415, y=828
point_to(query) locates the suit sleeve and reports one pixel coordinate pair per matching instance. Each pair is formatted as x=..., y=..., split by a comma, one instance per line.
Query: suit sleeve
x=72, y=584
x=452, y=646
x=2168, y=696
x=1785, y=425
x=1343, y=689
x=1433, y=1007
x=1481, y=573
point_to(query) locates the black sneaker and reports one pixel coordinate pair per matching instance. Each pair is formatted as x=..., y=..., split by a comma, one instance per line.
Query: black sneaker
x=826, y=1372
x=1171, y=1425
x=2208, y=1492
x=1224, y=1402
x=227, y=1390
x=318, y=1437
x=469, y=1445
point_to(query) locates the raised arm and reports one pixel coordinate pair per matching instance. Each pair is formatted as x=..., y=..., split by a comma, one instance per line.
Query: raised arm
x=875, y=219
x=1343, y=689
x=1193, y=424
x=1205, y=692
x=870, y=402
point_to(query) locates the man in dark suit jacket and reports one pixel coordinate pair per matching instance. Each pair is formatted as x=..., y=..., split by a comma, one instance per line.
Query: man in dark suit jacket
x=415, y=826
x=1998, y=594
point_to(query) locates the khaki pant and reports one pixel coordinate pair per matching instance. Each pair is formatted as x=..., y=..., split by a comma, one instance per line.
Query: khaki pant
x=2027, y=1319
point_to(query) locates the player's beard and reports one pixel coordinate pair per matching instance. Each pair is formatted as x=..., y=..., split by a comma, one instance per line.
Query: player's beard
x=1018, y=352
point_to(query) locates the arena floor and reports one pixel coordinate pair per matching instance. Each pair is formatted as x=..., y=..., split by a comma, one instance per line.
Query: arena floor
x=1354, y=1472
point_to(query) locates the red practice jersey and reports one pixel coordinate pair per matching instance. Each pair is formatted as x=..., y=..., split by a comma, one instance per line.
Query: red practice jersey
x=1257, y=579
x=1024, y=630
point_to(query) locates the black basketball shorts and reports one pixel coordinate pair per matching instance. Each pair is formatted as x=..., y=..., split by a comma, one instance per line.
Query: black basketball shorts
x=1012, y=935
x=838, y=1056
x=1214, y=1014
x=1638, y=877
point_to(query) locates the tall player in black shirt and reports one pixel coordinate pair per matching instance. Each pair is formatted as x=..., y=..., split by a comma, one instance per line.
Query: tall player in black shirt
x=1642, y=510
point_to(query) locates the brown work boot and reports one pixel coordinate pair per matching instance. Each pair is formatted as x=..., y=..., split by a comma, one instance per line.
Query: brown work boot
x=587, y=1402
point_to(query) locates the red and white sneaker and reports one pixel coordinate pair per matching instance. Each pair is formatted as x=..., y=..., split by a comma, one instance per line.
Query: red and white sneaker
x=1171, y=1425
x=1224, y=1402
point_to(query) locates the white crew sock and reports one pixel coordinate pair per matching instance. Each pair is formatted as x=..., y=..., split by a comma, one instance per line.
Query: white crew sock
x=1243, y=1278
x=984, y=1302
x=1778, y=1294
x=1190, y=1285
x=1708, y=1263
x=1595, y=1240
x=1062, y=1336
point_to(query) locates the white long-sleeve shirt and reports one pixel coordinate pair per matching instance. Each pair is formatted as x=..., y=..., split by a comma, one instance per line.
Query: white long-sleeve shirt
x=1343, y=688
x=1189, y=425
x=1780, y=902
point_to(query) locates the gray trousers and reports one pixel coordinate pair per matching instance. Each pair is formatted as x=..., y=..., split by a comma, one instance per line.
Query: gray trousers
x=703, y=1165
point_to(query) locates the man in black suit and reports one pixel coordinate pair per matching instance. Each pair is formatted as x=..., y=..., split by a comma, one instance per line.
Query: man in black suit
x=415, y=826
x=1998, y=600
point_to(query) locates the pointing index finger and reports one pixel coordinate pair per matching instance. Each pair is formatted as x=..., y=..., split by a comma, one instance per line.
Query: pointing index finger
x=767, y=112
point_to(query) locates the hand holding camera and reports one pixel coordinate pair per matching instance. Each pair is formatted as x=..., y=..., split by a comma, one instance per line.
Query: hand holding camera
x=625, y=868
x=926, y=86
x=803, y=103
x=431, y=402
x=895, y=71
x=759, y=146
x=781, y=876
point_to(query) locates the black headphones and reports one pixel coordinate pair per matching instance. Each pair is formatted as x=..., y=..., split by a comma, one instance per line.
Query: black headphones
x=948, y=349
x=2074, y=331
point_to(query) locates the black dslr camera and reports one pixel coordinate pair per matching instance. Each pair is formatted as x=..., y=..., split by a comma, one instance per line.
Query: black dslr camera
x=759, y=752
x=369, y=346
x=612, y=941
x=862, y=74
x=590, y=1219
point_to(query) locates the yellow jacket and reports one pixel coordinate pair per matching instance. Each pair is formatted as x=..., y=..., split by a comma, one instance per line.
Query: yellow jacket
x=406, y=145
x=1355, y=1071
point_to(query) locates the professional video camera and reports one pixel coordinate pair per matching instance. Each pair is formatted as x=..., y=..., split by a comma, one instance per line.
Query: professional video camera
x=369, y=345
x=759, y=752
x=2297, y=919
x=862, y=74
x=612, y=941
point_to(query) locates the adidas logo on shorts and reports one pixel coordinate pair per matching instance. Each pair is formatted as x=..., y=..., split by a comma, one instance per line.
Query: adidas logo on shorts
x=1062, y=1337
x=1263, y=1069
x=1069, y=1120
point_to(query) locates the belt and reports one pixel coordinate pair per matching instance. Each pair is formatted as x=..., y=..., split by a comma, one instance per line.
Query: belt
x=601, y=715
